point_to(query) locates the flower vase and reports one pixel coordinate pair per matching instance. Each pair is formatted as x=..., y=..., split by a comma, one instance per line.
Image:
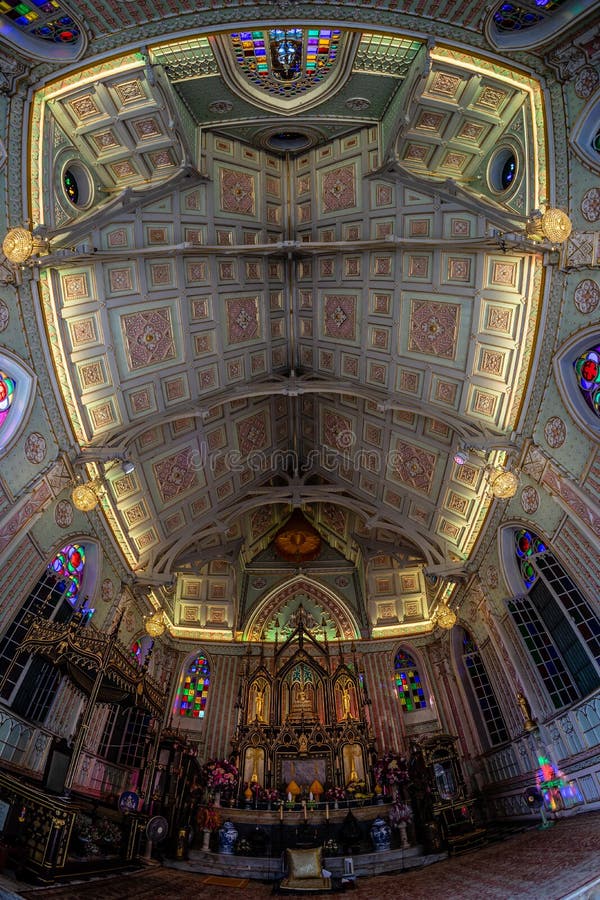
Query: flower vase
x=336, y=805
x=403, y=838
x=227, y=837
x=381, y=834
x=206, y=840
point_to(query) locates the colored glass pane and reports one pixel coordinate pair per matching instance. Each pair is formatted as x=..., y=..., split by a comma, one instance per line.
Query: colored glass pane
x=71, y=187
x=527, y=545
x=44, y=19
x=7, y=393
x=136, y=651
x=587, y=369
x=286, y=61
x=408, y=683
x=518, y=17
x=193, y=692
x=68, y=566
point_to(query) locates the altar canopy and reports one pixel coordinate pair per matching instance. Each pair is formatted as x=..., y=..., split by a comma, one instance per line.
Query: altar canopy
x=302, y=724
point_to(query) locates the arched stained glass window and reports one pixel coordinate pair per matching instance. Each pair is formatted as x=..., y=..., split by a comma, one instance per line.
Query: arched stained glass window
x=527, y=545
x=30, y=683
x=45, y=19
x=286, y=61
x=408, y=683
x=140, y=648
x=557, y=623
x=522, y=15
x=490, y=711
x=194, y=689
x=136, y=651
x=68, y=566
x=587, y=369
x=7, y=393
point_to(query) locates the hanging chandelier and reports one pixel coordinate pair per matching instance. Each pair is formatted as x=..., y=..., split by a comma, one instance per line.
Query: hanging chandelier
x=20, y=245
x=503, y=483
x=155, y=625
x=85, y=497
x=446, y=617
x=553, y=225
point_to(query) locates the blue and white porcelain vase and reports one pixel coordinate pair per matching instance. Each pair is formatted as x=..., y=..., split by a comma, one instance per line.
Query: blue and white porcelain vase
x=227, y=837
x=381, y=834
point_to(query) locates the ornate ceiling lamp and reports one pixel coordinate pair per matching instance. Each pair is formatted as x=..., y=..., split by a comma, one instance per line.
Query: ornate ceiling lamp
x=503, y=483
x=20, y=245
x=155, y=625
x=298, y=541
x=553, y=225
x=446, y=617
x=85, y=497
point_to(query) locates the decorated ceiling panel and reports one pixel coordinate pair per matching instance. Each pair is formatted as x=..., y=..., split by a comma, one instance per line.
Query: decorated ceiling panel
x=317, y=327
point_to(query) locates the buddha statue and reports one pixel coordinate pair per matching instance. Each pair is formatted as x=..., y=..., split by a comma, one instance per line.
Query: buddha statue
x=302, y=702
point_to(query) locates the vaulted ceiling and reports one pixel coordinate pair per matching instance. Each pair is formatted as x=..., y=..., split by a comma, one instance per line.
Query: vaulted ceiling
x=275, y=301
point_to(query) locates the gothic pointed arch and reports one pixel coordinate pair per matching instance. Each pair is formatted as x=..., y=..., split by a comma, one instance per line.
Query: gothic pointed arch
x=17, y=394
x=30, y=684
x=553, y=616
x=286, y=69
x=194, y=684
x=322, y=608
x=577, y=371
x=478, y=688
x=42, y=30
x=409, y=684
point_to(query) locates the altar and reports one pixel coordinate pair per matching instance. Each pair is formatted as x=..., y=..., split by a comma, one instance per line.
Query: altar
x=303, y=725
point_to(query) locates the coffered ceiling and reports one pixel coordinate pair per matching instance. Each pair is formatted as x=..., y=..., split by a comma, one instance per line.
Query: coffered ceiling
x=261, y=330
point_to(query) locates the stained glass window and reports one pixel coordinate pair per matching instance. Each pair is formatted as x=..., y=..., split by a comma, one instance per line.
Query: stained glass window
x=136, y=651
x=194, y=689
x=587, y=369
x=522, y=15
x=527, y=545
x=286, y=61
x=53, y=597
x=68, y=567
x=45, y=19
x=7, y=393
x=484, y=692
x=408, y=683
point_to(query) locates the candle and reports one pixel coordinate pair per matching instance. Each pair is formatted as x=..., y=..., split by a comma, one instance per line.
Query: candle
x=304, y=808
x=281, y=812
x=289, y=796
x=310, y=796
x=327, y=812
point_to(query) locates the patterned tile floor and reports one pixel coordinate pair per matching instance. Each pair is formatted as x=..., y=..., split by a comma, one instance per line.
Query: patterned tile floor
x=533, y=865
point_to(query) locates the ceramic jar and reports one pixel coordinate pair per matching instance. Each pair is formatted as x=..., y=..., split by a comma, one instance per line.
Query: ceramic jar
x=227, y=837
x=381, y=834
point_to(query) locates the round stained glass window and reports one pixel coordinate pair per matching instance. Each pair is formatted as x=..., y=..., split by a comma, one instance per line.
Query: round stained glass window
x=509, y=171
x=503, y=169
x=77, y=184
x=71, y=187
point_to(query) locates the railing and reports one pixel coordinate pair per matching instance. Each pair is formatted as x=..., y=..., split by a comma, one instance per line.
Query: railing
x=22, y=744
x=96, y=776
x=571, y=740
